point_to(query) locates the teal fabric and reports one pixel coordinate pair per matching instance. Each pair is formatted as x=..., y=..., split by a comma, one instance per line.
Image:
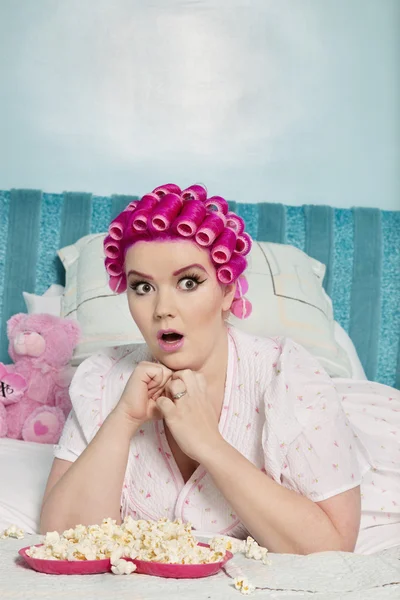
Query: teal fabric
x=365, y=307
x=271, y=222
x=21, y=251
x=319, y=238
x=360, y=247
x=119, y=202
x=342, y=268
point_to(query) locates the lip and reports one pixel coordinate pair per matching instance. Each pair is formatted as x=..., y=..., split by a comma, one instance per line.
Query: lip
x=170, y=346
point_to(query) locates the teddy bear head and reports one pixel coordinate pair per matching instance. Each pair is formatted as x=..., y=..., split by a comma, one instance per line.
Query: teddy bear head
x=42, y=338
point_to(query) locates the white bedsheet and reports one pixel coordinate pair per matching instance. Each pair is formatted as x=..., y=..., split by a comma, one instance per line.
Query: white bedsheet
x=323, y=576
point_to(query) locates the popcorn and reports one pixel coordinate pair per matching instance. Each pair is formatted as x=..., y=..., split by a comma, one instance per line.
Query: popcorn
x=13, y=532
x=249, y=547
x=161, y=541
x=253, y=550
x=123, y=567
x=243, y=585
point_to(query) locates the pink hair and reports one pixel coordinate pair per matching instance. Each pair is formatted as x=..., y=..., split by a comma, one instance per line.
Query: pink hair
x=170, y=214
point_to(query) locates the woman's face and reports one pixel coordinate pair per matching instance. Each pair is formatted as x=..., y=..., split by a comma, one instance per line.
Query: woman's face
x=172, y=287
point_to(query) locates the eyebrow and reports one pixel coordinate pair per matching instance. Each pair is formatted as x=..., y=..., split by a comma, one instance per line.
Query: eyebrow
x=195, y=265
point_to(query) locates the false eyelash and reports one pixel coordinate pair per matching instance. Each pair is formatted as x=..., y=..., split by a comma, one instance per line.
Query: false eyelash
x=193, y=276
x=136, y=284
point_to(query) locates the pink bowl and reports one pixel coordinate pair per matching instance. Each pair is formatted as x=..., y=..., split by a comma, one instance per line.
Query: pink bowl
x=180, y=571
x=144, y=567
x=66, y=567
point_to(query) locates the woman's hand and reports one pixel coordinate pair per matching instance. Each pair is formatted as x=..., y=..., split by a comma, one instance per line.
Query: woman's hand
x=144, y=386
x=192, y=418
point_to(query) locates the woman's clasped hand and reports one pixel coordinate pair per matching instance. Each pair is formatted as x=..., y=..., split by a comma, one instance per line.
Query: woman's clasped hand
x=191, y=418
x=143, y=388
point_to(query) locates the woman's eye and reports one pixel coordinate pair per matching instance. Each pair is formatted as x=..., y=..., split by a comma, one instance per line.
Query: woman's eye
x=141, y=288
x=188, y=283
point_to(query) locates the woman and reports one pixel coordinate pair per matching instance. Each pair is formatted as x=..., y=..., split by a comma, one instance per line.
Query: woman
x=236, y=434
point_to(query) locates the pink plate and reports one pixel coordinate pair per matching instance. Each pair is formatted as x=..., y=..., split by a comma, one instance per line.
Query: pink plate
x=180, y=571
x=91, y=567
x=66, y=567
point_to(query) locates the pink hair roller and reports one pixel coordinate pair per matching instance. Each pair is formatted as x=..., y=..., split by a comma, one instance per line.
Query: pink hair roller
x=235, y=222
x=117, y=226
x=165, y=212
x=195, y=192
x=111, y=247
x=131, y=206
x=231, y=271
x=168, y=188
x=224, y=246
x=242, y=287
x=210, y=229
x=190, y=218
x=113, y=267
x=117, y=284
x=219, y=204
x=241, y=308
x=141, y=214
x=243, y=244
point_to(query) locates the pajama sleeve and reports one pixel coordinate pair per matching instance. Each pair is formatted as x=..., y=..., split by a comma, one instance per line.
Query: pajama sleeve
x=84, y=420
x=321, y=455
x=72, y=441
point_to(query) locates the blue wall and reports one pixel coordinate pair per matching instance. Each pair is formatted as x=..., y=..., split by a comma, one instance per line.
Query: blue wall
x=292, y=101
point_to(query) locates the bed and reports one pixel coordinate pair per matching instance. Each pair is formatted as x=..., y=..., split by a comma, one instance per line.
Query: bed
x=359, y=289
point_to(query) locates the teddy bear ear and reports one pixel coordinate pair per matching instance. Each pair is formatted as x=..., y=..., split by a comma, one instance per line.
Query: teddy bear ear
x=73, y=330
x=13, y=322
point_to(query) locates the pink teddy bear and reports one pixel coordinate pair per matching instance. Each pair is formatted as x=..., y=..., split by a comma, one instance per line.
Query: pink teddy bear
x=34, y=398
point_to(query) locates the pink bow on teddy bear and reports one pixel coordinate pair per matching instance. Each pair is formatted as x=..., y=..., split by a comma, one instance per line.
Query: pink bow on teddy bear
x=12, y=386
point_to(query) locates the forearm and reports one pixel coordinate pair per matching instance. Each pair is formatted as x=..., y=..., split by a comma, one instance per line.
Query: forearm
x=279, y=519
x=91, y=488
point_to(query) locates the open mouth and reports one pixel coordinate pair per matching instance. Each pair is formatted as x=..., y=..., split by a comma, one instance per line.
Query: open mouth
x=171, y=338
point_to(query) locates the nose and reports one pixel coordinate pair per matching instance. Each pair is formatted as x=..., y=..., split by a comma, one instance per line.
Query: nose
x=165, y=306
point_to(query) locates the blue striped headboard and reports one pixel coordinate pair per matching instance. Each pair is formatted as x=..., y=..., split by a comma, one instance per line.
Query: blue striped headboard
x=360, y=246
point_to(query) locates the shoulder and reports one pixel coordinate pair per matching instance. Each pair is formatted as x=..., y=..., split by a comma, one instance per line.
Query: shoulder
x=259, y=358
x=266, y=348
x=109, y=356
x=93, y=373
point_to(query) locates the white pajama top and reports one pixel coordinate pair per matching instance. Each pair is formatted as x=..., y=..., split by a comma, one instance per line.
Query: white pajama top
x=312, y=434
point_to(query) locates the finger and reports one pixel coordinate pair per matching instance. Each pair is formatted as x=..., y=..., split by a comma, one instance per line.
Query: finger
x=166, y=376
x=158, y=376
x=153, y=376
x=188, y=378
x=175, y=387
x=157, y=394
x=181, y=373
x=154, y=411
x=165, y=406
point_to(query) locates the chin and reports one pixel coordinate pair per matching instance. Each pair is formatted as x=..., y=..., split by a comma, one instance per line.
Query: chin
x=175, y=361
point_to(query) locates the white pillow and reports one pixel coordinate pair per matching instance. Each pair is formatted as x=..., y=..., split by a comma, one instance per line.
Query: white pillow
x=343, y=339
x=104, y=317
x=24, y=469
x=285, y=288
x=49, y=302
